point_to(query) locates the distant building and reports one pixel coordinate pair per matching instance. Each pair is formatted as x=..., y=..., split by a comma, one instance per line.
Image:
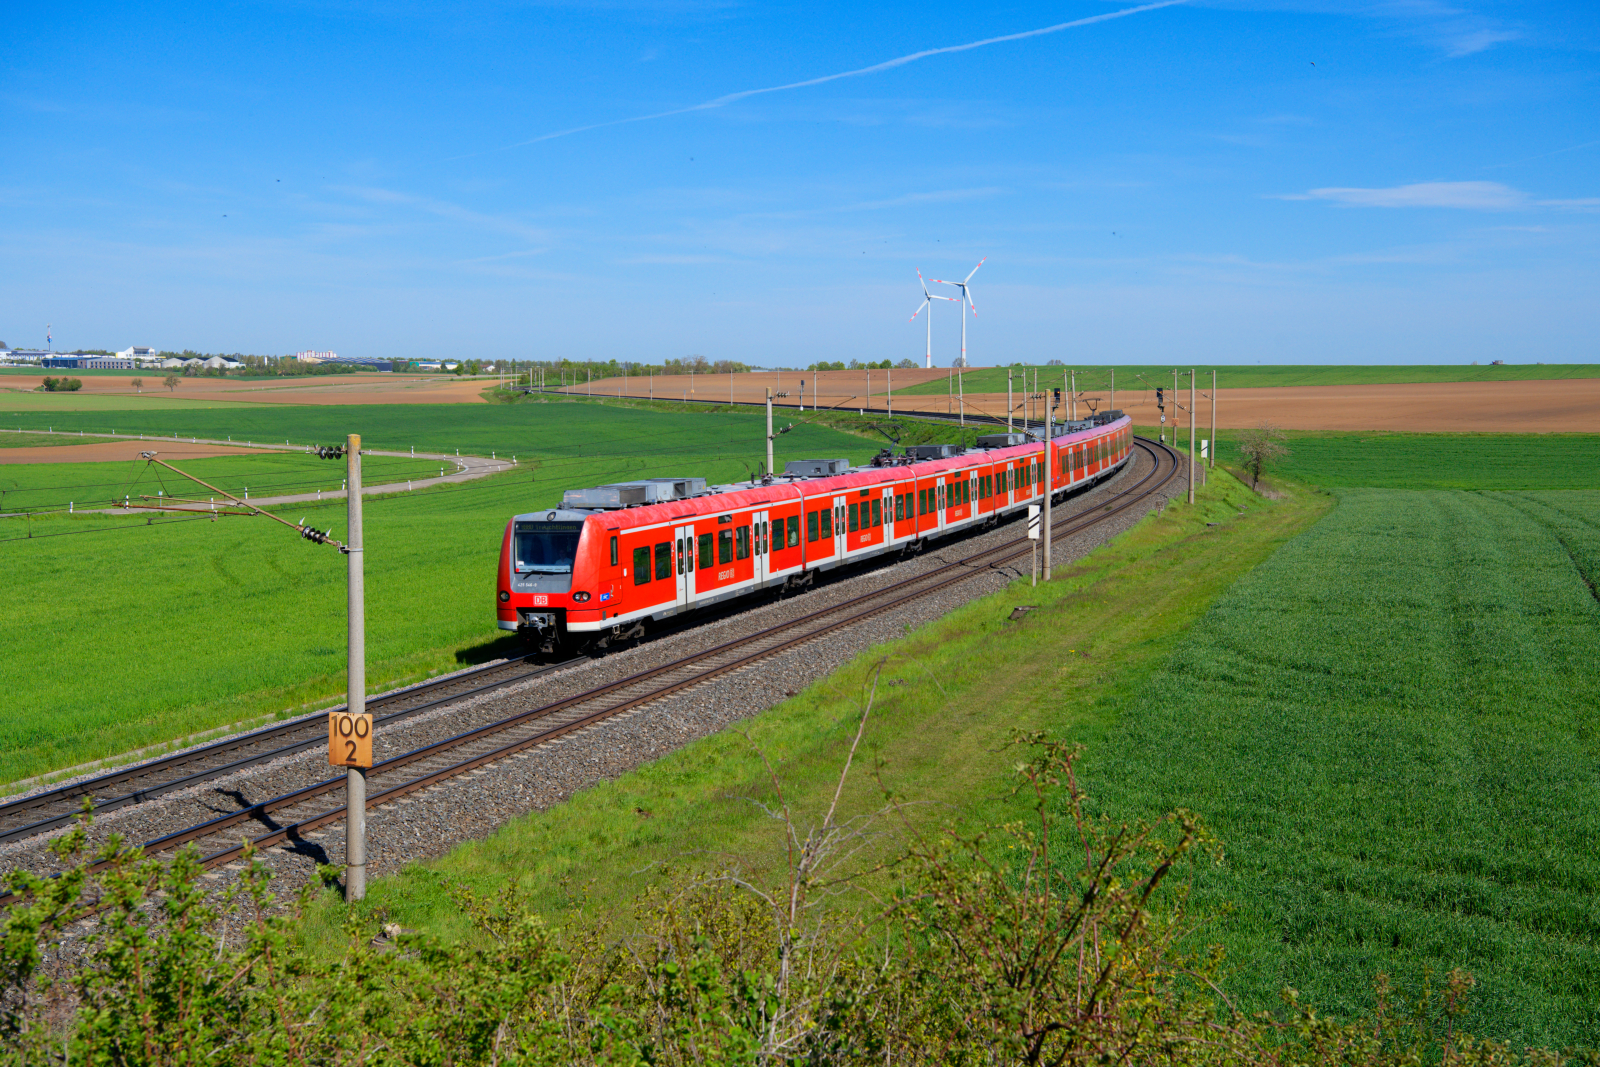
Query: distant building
x=86, y=363
x=310, y=356
x=136, y=353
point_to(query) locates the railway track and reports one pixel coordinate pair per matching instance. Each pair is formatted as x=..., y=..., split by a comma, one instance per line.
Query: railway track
x=44, y=811
x=299, y=813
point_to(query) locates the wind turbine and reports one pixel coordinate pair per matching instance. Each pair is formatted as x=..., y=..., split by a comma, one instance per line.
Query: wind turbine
x=966, y=296
x=927, y=302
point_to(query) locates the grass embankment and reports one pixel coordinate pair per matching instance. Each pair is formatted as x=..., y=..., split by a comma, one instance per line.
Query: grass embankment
x=1390, y=723
x=949, y=695
x=119, y=635
x=993, y=379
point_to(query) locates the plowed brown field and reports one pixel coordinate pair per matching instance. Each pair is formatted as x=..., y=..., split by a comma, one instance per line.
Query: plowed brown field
x=1571, y=405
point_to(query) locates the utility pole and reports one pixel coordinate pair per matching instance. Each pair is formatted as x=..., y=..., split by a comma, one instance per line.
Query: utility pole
x=1113, y=404
x=1191, y=434
x=355, y=780
x=889, y=374
x=1010, y=403
x=770, y=435
x=1049, y=487
x=1072, y=395
x=1213, y=457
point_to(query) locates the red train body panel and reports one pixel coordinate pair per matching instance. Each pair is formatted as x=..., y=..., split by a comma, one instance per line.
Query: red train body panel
x=585, y=571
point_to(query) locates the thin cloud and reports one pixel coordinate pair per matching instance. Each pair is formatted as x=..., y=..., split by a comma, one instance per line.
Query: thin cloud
x=1472, y=196
x=1468, y=196
x=732, y=98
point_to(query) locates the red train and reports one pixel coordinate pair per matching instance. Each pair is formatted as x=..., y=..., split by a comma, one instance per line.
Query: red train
x=611, y=558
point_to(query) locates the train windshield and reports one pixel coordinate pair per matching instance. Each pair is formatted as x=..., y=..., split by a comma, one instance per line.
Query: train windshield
x=546, y=547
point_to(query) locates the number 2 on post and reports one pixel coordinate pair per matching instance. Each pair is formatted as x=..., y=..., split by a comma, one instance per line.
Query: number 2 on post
x=349, y=739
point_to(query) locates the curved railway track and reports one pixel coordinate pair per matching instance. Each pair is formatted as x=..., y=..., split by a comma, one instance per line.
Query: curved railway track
x=293, y=815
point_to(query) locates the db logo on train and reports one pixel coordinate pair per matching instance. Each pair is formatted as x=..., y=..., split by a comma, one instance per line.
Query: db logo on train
x=349, y=739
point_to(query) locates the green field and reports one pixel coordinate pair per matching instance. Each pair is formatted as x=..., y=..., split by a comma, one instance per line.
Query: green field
x=1391, y=725
x=12, y=439
x=993, y=379
x=1475, y=461
x=48, y=486
x=19, y=402
x=119, y=634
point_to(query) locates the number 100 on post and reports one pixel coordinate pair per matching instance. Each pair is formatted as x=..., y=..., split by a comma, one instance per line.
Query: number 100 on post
x=349, y=739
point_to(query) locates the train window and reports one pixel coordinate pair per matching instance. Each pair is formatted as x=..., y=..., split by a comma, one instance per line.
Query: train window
x=724, y=546
x=877, y=512
x=827, y=522
x=811, y=526
x=741, y=542
x=966, y=492
x=613, y=551
x=641, y=566
x=705, y=551
x=663, y=561
x=793, y=522
x=855, y=517
x=899, y=507
x=922, y=501
x=546, y=547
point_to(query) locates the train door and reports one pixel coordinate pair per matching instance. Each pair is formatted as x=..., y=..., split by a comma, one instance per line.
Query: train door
x=684, y=535
x=841, y=539
x=763, y=547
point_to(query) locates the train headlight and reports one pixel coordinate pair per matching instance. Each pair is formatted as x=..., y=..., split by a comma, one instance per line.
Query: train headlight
x=505, y=595
x=579, y=598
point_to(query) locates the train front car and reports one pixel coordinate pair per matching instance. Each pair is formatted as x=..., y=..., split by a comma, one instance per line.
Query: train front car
x=538, y=558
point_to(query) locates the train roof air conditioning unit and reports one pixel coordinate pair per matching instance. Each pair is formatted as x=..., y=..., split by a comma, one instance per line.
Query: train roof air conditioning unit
x=933, y=451
x=1002, y=440
x=633, y=494
x=815, y=468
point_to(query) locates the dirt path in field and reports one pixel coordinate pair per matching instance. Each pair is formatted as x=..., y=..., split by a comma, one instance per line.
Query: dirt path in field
x=1568, y=405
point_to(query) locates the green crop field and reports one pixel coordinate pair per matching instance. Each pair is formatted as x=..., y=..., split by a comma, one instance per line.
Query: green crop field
x=574, y=428
x=993, y=379
x=1391, y=725
x=47, y=405
x=50, y=486
x=1433, y=460
x=11, y=439
x=119, y=634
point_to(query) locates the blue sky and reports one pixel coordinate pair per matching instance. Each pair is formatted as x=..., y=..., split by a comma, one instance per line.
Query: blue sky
x=1212, y=182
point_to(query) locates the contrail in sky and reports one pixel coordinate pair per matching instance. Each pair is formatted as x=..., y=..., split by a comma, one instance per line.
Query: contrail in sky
x=723, y=101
